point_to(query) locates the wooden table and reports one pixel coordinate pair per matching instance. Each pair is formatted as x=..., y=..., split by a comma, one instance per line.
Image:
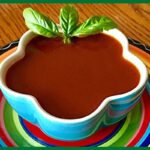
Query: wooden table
x=133, y=19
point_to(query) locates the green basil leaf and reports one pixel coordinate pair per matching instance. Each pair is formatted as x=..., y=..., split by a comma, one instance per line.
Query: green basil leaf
x=68, y=19
x=94, y=25
x=39, y=23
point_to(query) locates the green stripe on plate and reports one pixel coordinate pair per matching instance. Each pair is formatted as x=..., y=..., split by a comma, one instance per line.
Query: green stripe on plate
x=128, y=130
x=121, y=138
x=15, y=129
x=133, y=127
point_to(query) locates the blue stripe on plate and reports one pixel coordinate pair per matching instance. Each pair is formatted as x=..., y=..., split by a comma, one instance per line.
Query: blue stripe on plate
x=2, y=144
x=94, y=144
x=144, y=141
x=33, y=136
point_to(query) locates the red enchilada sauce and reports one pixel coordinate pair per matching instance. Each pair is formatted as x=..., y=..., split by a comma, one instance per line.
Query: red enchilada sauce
x=70, y=81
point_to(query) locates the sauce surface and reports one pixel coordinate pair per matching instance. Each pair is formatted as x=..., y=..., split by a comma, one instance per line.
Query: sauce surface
x=70, y=81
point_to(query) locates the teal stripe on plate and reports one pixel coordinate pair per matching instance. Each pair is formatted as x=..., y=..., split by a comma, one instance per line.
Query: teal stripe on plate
x=148, y=87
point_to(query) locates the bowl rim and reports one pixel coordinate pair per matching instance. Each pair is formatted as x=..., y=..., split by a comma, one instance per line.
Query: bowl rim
x=19, y=53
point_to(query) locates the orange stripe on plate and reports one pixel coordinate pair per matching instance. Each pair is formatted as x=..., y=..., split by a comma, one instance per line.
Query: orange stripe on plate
x=3, y=56
x=145, y=57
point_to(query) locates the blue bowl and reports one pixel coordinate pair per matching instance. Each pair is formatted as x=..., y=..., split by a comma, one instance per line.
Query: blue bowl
x=110, y=111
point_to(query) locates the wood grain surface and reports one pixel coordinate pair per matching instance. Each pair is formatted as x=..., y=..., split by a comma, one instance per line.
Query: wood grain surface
x=132, y=19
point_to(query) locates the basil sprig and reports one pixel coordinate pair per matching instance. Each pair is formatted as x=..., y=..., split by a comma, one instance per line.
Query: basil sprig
x=68, y=21
x=69, y=26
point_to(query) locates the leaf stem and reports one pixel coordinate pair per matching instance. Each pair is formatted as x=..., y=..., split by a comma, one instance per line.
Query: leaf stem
x=67, y=40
